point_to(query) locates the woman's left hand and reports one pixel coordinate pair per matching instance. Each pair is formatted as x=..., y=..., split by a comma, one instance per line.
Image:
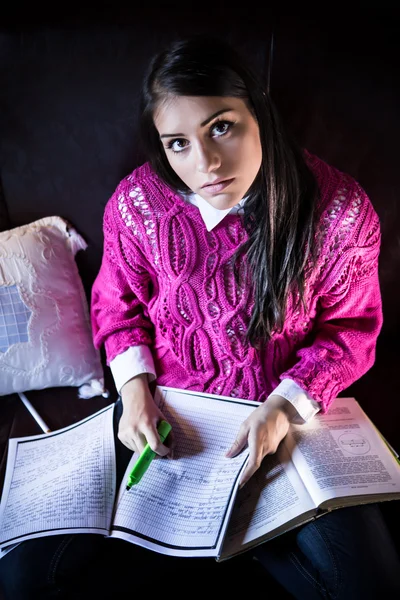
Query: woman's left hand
x=262, y=431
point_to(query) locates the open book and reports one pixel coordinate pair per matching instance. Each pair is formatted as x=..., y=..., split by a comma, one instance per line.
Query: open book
x=65, y=481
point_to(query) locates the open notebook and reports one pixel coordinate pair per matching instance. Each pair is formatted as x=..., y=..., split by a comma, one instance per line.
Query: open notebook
x=190, y=505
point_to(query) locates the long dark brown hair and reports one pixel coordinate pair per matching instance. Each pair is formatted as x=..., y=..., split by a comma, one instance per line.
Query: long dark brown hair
x=280, y=211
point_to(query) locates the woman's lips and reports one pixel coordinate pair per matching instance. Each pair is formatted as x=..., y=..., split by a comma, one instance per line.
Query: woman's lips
x=216, y=188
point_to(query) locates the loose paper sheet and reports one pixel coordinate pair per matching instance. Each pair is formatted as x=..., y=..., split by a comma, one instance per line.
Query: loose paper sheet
x=60, y=482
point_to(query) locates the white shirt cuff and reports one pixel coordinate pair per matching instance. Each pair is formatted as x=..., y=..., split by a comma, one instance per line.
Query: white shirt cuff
x=134, y=361
x=306, y=407
x=138, y=359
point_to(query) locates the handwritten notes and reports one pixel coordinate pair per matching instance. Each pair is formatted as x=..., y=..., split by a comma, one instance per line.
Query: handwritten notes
x=185, y=501
x=60, y=481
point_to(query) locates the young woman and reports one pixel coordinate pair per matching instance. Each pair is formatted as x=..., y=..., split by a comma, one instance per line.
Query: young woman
x=236, y=263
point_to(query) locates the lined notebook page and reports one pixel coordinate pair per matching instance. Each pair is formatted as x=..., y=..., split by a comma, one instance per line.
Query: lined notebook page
x=60, y=482
x=182, y=503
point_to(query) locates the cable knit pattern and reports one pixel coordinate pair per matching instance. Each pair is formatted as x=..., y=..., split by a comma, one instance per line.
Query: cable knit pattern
x=168, y=283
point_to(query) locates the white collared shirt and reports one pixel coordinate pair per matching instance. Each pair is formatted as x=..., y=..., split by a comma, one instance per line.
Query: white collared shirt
x=137, y=360
x=212, y=216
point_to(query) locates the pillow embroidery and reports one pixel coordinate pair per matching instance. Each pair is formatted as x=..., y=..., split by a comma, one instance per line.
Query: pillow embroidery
x=14, y=317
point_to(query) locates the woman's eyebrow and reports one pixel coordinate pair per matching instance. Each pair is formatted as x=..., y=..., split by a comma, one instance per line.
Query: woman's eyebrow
x=203, y=124
x=219, y=112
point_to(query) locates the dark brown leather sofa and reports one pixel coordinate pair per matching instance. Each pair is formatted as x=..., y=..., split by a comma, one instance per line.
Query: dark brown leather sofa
x=77, y=76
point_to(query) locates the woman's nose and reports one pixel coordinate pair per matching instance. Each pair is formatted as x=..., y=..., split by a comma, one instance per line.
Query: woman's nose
x=208, y=158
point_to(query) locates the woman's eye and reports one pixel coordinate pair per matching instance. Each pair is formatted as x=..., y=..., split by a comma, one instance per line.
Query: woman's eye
x=221, y=127
x=177, y=145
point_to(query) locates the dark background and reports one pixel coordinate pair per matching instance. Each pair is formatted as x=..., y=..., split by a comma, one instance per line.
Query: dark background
x=69, y=84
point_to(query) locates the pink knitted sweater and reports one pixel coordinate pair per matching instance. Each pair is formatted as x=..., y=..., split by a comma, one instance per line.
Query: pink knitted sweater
x=168, y=283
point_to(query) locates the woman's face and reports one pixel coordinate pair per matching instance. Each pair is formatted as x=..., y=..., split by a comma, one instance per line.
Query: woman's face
x=213, y=145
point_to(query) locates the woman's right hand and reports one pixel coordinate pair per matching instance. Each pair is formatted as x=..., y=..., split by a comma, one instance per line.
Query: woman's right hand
x=140, y=417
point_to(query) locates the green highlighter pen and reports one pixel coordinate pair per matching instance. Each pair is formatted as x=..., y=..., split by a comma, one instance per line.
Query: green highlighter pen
x=141, y=465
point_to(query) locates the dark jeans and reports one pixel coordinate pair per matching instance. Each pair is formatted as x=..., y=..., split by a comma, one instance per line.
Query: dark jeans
x=347, y=554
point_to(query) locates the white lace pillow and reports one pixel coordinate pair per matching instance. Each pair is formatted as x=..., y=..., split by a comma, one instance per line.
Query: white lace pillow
x=45, y=332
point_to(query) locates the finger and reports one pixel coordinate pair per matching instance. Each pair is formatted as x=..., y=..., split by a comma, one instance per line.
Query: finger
x=253, y=462
x=139, y=442
x=136, y=443
x=153, y=439
x=127, y=441
x=238, y=445
x=128, y=444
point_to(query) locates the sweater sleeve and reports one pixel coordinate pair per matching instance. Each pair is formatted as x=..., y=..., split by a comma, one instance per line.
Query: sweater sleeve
x=349, y=314
x=121, y=290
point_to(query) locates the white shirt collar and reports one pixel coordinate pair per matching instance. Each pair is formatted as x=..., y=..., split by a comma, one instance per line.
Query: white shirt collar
x=210, y=215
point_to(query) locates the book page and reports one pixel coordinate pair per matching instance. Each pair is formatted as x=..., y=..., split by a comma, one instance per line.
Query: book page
x=60, y=482
x=341, y=454
x=271, y=502
x=181, y=505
